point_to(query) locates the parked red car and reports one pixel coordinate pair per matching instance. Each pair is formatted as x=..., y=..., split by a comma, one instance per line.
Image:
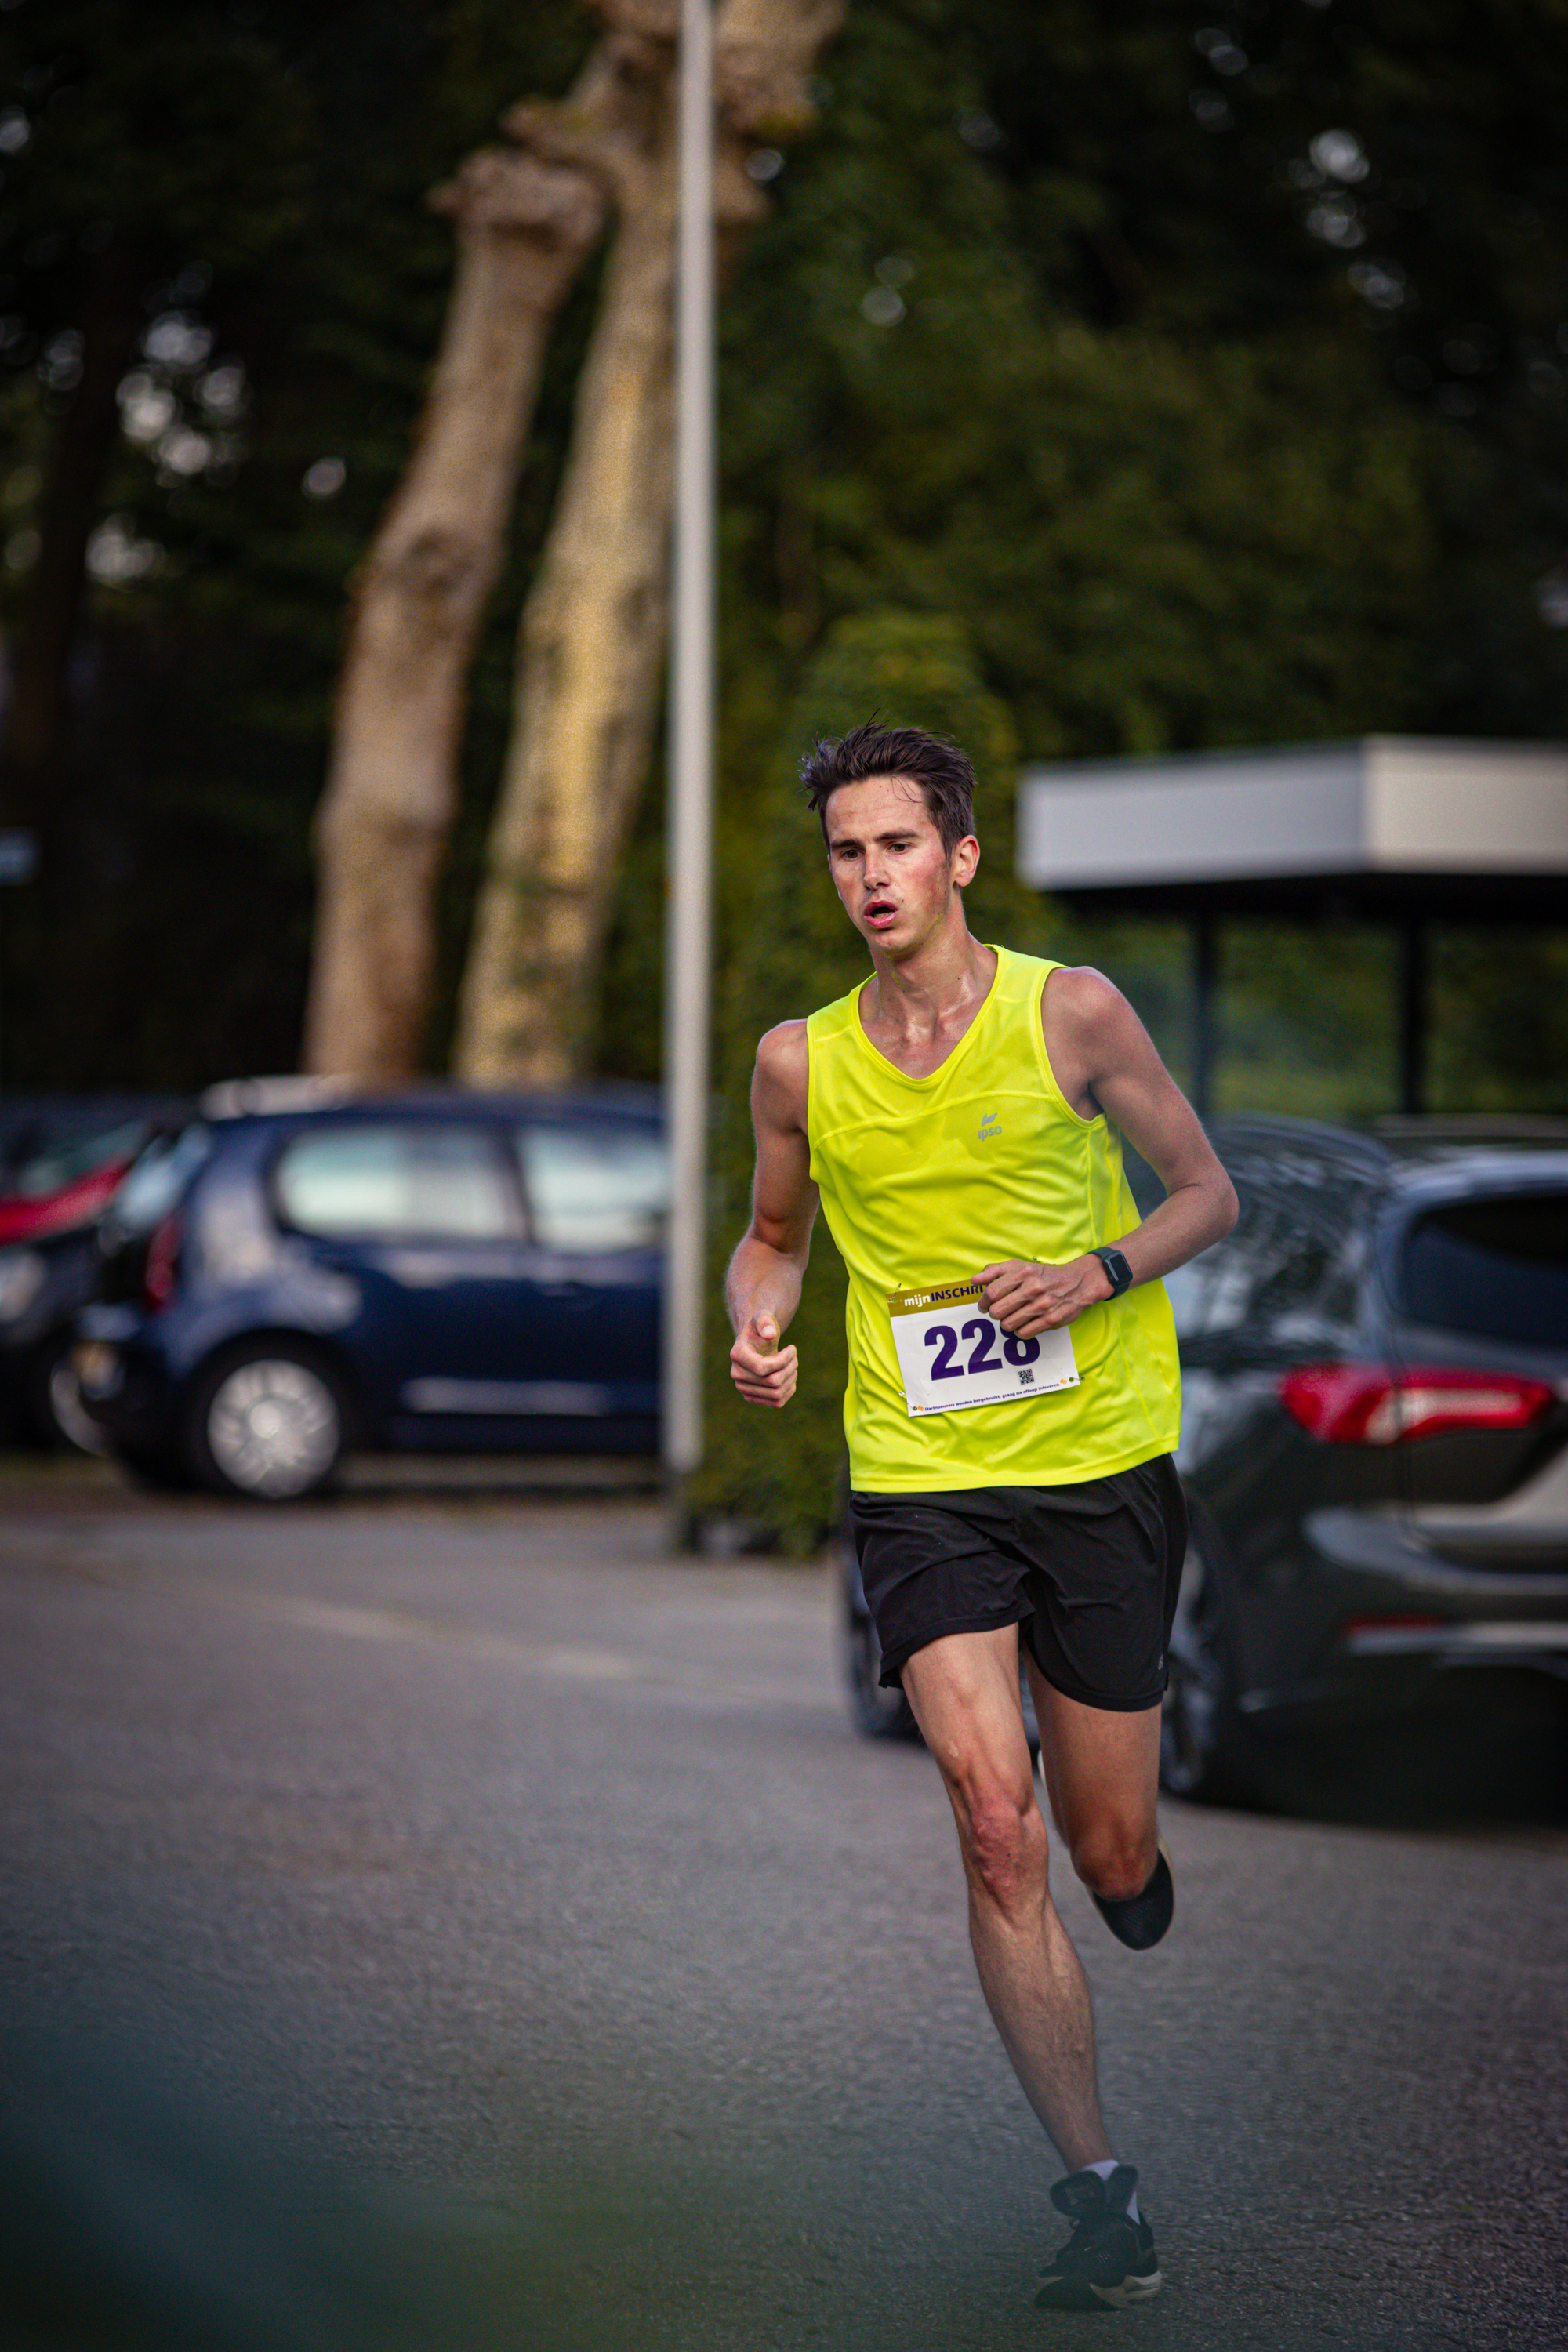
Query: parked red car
x=61, y=1168
x=61, y=1160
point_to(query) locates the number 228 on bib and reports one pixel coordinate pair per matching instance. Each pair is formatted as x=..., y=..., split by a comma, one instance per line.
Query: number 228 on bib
x=952, y=1354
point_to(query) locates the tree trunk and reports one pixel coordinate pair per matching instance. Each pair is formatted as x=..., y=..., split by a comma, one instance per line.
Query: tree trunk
x=593, y=634
x=524, y=229
x=589, y=654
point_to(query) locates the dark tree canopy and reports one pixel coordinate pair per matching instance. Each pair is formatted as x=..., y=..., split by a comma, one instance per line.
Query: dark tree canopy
x=255, y=175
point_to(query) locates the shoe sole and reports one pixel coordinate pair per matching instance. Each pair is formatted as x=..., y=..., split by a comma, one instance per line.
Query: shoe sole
x=1131, y=2291
x=1085, y=2296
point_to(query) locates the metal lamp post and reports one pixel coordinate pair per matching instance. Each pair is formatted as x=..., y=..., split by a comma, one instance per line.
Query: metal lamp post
x=690, y=832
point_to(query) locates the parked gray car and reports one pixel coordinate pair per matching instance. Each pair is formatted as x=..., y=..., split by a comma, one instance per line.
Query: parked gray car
x=1374, y=1435
x=1374, y=1447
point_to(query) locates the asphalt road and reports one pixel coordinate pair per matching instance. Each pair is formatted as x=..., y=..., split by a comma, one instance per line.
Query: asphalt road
x=530, y=1887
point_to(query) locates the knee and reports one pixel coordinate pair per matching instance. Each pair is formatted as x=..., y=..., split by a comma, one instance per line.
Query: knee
x=1004, y=1850
x=1115, y=1859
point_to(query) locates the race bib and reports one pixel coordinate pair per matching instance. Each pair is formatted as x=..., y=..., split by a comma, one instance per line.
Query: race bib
x=953, y=1355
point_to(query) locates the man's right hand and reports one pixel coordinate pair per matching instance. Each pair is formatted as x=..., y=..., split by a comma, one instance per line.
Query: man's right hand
x=763, y=1371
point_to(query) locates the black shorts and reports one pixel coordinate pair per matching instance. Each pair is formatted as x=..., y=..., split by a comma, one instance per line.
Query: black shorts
x=1090, y=1573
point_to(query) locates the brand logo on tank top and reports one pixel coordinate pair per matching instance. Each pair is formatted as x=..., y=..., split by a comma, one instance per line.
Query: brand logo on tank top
x=988, y=1126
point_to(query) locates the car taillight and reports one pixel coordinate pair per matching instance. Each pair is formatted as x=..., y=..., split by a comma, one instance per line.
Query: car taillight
x=161, y=1264
x=1372, y=1404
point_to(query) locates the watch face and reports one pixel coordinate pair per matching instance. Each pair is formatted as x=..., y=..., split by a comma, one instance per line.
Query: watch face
x=1116, y=1267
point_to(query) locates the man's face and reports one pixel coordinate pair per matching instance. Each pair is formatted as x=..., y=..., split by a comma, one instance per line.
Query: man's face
x=888, y=865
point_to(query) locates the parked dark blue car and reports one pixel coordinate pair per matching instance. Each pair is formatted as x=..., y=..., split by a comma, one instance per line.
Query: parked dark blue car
x=450, y=1273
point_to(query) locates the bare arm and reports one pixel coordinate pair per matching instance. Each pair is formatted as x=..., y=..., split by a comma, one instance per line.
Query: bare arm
x=763, y=1288
x=1104, y=1059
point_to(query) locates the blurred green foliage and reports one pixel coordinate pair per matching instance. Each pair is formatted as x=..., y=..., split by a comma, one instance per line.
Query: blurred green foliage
x=1499, y=1026
x=1038, y=343
x=1071, y=417
x=795, y=950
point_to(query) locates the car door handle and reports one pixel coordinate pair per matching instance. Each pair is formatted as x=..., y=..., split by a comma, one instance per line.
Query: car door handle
x=564, y=1289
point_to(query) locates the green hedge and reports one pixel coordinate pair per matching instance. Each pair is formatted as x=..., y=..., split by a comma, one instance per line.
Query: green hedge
x=781, y=1475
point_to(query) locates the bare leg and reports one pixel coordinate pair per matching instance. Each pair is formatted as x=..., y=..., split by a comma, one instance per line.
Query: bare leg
x=1102, y=1773
x=964, y=1692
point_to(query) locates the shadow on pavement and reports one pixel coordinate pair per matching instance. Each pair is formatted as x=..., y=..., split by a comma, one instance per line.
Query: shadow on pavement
x=1497, y=1758
x=61, y=1482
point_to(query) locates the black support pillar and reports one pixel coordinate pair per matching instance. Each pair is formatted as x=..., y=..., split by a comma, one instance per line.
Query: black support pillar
x=1206, y=976
x=1414, y=1014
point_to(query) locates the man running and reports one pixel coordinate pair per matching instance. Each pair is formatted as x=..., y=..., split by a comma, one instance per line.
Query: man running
x=1012, y=1402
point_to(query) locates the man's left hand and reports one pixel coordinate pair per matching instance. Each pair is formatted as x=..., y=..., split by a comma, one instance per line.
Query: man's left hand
x=1026, y=1298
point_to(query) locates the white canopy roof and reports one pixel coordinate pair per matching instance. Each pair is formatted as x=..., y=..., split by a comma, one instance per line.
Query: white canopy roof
x=1388, y=804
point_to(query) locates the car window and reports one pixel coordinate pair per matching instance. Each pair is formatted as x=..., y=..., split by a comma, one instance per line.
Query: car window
x=1296, y=1274
x=398, y=1181
x=595, y=1187
x=158, y=1182
x=1496, y=1267
x=1286, y=1265
x=1272, y=1269
x=60, y=1163
x=1209, y=1293
x=1215, y=1292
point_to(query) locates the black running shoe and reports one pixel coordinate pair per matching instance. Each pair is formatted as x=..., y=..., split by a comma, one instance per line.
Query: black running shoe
x=1141, y=1919
x=1109, y=2262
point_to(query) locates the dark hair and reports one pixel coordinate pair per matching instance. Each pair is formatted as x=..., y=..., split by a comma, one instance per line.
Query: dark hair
x=940, y=769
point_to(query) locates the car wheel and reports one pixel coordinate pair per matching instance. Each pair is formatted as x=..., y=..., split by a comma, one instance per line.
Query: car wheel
x=1197, y=1729
x=878, y=1713
x=52, y=1408
x=68, y=1417
x=268, y=1424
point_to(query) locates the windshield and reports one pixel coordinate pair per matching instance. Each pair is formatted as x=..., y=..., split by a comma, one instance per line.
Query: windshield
x=51, y=1166
x=1495, y=1268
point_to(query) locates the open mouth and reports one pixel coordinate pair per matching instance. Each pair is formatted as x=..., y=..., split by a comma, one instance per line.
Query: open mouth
x=880, y=911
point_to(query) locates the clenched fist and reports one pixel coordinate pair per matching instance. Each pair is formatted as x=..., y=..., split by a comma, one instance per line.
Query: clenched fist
x=763, y=1371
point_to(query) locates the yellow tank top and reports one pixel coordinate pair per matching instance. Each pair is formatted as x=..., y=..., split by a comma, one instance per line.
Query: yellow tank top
x=924, y=1180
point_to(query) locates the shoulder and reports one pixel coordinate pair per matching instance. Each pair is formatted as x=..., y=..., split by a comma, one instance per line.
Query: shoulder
x=1080, y=1004
x=784, y=1064
x=1077, y=992
x=782, y=1050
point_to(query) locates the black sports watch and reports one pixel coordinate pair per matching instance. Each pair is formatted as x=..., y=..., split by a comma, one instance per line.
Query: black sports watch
x=1118, y=1273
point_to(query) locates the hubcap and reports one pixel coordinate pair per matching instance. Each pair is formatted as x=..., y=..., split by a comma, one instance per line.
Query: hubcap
x=72, y=1417
x=273, y=1428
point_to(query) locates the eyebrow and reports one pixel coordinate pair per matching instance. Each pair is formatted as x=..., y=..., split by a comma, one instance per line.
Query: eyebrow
x=889, y=832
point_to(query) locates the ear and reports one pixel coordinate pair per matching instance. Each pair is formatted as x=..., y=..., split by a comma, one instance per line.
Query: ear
x=965, y=858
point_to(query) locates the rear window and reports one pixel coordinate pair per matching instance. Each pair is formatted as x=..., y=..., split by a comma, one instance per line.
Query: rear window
x=157, y=1183
x=594, y=1188
x=1495, y=1268
x=413, y=1182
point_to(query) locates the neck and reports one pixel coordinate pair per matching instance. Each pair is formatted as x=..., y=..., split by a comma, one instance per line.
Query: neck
x=919, y=994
